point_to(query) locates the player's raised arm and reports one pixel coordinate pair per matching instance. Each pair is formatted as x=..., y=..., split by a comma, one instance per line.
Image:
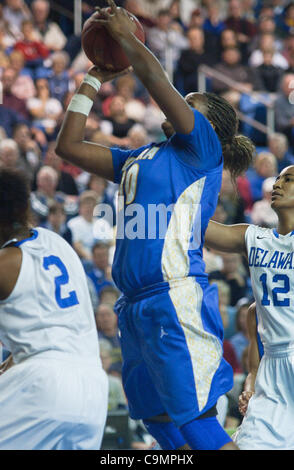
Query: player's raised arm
x=227, y=238
x=148, y=69
x=71, y=145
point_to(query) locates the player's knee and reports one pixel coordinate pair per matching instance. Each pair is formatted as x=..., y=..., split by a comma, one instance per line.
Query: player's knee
x=168, y=436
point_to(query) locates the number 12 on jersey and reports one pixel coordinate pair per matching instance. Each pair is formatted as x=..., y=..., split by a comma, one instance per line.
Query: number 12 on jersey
x=281, y=289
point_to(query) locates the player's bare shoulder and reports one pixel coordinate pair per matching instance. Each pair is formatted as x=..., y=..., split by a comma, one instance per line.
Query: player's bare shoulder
x=10, y=265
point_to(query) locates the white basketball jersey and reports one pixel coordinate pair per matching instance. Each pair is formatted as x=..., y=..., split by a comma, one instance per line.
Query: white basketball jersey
x=49, y=308
x=271, y=264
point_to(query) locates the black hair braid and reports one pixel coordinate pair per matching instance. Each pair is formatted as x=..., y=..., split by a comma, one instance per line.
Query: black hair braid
x=238, y=150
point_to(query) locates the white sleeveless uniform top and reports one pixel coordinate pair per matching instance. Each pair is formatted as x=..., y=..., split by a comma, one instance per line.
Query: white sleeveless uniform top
x=268, y=423
x=49, y=310
x=271, y=264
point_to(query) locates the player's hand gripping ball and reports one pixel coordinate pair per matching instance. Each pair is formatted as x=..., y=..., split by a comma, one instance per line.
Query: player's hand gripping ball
x=101, y=48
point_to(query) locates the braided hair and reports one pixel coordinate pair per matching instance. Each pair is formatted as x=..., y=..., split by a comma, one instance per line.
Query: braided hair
x=238, y=150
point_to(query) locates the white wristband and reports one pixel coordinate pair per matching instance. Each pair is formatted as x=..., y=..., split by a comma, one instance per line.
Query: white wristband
x=80, y=104
x=92, y=81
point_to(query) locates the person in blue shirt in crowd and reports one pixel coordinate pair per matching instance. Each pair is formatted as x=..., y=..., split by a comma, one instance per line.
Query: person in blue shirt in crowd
x=171, y=329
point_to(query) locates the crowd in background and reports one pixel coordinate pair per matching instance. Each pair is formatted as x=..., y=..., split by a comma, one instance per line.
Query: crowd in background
x=41, y=66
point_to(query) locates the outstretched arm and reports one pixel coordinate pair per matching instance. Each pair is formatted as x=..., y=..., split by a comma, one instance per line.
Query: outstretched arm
x=253, y=360
x=228, y=238
x=148, y=69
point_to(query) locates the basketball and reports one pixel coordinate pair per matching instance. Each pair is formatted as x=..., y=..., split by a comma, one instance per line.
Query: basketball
x=101, y=49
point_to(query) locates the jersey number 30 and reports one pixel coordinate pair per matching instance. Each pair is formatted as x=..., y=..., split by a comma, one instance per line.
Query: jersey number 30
x=62, y=280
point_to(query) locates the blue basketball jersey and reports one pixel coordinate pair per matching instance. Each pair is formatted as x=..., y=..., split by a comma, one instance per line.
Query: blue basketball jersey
x=168, y=193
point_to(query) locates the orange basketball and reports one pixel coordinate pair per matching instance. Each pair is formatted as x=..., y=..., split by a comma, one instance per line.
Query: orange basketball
x=100, y=47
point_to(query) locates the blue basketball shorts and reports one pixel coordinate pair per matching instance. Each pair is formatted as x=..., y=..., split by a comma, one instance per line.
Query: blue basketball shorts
x=171, y=342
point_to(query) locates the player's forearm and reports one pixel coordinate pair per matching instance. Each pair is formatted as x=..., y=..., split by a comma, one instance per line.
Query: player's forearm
x=226, y=238
x=151, y=73
x=145, y=64
x=249, y=385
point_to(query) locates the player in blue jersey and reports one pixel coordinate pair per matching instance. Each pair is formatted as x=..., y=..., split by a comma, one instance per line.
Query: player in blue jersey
x=268, y=423
x=171, y=329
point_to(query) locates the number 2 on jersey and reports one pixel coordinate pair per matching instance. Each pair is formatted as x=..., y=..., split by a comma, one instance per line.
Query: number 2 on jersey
x=62, y=280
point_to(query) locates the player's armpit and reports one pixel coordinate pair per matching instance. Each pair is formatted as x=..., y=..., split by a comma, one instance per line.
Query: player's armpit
x=227, y=238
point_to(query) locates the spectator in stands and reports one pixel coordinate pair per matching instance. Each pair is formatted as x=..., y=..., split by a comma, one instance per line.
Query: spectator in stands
x=267, y=43
x=86, y=229
x=109, y=294
x=175, y=12
x=10, y=32
x=234, y=274
x=137, y=136
x=278, y=145
x=117, y=124
x=29, y=150
x=284, y=109
x=66, y=183
x=34, y=51
x=9, y=119
x=186, y=72
x=58, y=76
x=116, y=396
x=262, y=213
x=232, y=202
x=265, y=166
x=126, y=87
x=9, y=154
x=196, y=19
x=165, y=40
x=9, y=99
x=45, y=194
x=244, y=28
x=266, y=25
x=82, y=226
x=47, y=31
x=231, y=67
x=106, y=321
x=213, y=24
x=152, y=121
x=57, y=221
x=44, y=109
x=228, y=314
x=100, y=264
x=268, y=76
x=99, y=185
x=23, y=86
x=228, y=38
x=240, y=341
x=15, y=12
x=286, y=20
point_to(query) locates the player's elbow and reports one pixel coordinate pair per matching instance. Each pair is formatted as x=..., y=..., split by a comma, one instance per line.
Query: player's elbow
x=62, y=148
